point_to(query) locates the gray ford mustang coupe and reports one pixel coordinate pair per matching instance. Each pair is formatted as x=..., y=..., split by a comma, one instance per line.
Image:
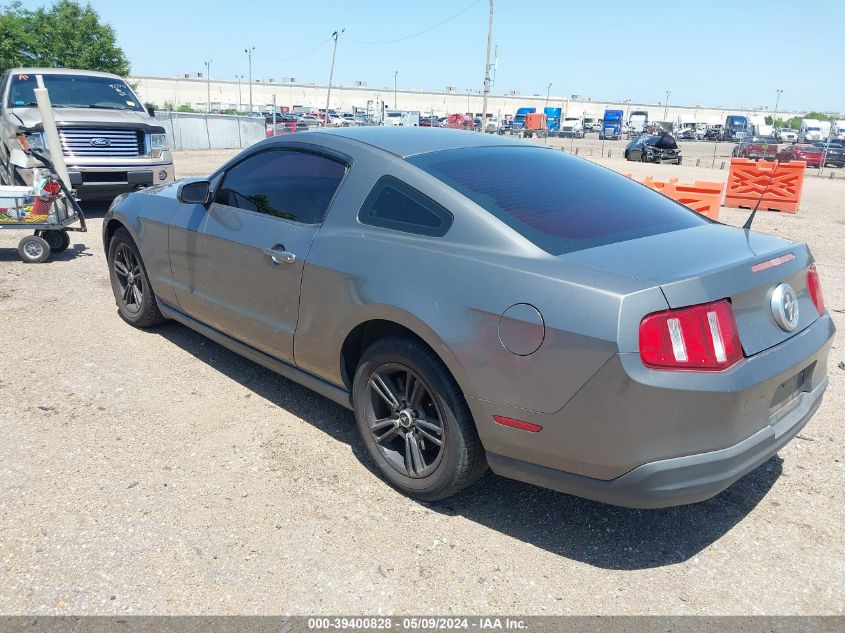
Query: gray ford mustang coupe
x=478, y=301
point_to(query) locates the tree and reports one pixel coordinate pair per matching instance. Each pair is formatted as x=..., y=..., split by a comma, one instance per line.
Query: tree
x=65, y=35
x=15, y=36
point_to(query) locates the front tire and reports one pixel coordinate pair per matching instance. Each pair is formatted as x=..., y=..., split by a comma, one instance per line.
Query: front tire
x=414, y=420
x=135, y=299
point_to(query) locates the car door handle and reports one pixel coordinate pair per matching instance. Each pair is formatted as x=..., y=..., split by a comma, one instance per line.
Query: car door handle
x=278, y=256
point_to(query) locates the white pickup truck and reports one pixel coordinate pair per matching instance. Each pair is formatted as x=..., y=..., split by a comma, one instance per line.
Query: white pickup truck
x=110, y=142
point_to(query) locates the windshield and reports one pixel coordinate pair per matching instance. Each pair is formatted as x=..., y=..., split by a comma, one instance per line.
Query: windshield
x=74, y=91
x=558, y=202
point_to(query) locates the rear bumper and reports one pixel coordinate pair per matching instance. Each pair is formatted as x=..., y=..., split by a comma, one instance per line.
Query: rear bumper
x=641, y=437
x=676, y=481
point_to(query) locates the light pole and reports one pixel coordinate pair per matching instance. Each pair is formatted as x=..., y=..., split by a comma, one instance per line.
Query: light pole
x=777, y=101
x=395, y=80
x=331, y=76
x=248, y=52
x=240, y=101
x=487, y=71
x=548, y=92
x=666, y=104
x=469, y=111
x=208, y=86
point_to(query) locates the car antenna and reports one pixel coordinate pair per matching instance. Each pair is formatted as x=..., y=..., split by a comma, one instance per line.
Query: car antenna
x=747, y=225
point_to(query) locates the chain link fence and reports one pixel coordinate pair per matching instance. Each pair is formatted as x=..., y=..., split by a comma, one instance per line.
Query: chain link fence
x=189, y=130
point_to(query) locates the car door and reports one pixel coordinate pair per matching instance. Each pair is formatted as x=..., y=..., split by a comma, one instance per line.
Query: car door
x=238, y=264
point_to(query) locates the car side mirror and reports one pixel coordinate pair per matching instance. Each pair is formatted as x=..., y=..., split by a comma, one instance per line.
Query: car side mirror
x=194, y=192
x=150, y=109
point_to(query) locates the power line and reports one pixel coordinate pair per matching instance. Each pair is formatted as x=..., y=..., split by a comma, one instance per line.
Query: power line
x=423, y=32
x=308, y=52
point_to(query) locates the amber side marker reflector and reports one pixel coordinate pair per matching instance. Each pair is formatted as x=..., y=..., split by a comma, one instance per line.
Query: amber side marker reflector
x=777, y=261
x=517, y=424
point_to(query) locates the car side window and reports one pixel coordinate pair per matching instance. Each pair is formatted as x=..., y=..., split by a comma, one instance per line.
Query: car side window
x=392, y=204
x=288, y=184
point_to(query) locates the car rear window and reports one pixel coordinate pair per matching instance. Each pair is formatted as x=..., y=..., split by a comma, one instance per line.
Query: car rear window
x=558, y=202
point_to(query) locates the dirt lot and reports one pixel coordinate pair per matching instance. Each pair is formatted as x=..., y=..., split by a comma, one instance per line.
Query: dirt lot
x=156, y=472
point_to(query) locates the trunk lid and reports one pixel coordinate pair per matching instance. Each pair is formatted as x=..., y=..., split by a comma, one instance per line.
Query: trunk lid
x=714, y=262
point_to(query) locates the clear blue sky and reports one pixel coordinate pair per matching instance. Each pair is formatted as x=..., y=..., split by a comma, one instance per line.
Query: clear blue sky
x=714, y=52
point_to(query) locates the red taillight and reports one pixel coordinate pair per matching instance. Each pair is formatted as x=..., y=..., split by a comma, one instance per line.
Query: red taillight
x=700, y=338
x=815, y=286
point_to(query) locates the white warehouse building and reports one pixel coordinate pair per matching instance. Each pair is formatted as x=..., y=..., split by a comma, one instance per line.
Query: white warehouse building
x=196, y=92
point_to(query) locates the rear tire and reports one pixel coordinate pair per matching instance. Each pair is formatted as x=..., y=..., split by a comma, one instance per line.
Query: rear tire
x=414, y=420
x=135, y=299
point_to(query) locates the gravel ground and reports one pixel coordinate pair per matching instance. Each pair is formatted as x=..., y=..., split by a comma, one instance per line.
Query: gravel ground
x=158, y=473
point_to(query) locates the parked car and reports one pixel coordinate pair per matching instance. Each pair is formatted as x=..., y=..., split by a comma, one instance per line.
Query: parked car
x=110, y=142
x=834, y=153
x=810, y=154
x=756, y=148
x=786, y=135
x=281, y=118
x=618, y=346
x=653, y=148
x=714, y=132
x=461, y=121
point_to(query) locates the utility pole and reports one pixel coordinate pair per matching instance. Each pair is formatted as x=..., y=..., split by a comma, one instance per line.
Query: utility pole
x=248, y=52
x=487, y=70
x=777, y=101
x=331, y=76
x=395, y=100
x=240, y=101
x=208, y=86
x=548, y=92
x=666, y=104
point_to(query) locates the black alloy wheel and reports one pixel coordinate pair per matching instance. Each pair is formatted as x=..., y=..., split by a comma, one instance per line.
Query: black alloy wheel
x=135, y=299
x=414, y=420
x=405, y=422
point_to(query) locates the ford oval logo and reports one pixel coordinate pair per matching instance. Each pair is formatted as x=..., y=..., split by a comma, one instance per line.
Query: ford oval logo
x=785, y=307
x=99, y=142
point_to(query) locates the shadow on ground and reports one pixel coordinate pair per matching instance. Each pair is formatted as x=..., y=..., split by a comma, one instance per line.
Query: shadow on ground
x=590, y=532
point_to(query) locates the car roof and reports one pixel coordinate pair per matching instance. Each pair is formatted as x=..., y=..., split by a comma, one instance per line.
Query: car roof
x=59, y=71
x=411, y=141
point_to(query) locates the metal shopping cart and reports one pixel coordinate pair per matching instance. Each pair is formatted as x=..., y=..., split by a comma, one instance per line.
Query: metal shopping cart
x=47, y=207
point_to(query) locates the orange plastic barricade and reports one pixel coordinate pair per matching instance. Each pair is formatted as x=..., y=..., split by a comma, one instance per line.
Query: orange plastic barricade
x=779, y=184
x=702, y=196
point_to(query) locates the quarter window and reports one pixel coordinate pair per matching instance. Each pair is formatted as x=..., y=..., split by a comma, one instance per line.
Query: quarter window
x=394, y=205
x=287, y=184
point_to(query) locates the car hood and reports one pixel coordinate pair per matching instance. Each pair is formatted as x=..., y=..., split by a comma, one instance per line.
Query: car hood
x=713, y=262
x=67, y=117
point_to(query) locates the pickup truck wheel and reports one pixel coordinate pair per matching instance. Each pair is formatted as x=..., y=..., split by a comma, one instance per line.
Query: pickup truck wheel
x=136, y=301
x=414, y=420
